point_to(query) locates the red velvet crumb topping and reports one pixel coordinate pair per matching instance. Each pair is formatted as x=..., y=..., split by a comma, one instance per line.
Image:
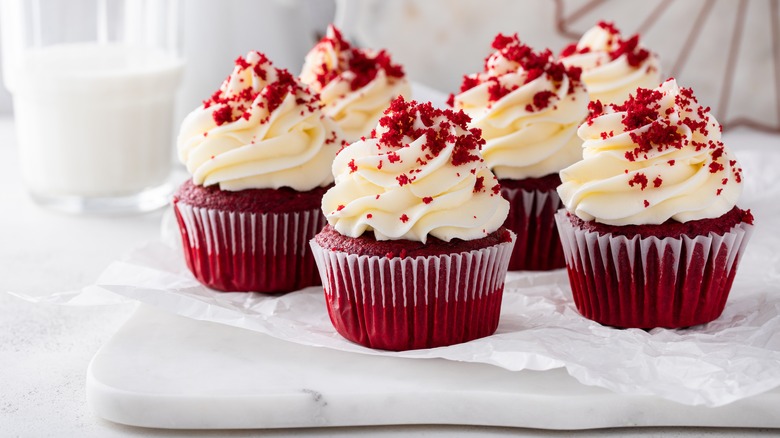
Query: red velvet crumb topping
x=535, y=64
x=635, y=54
x=363, y=65
x=234, y=105
x=439, y=125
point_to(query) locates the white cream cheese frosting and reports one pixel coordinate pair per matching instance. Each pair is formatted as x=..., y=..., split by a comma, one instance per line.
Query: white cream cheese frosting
x=612, y=68
x=528, y=107
x=420, y=174
x=656, y=157
x=355, y=85
x=261, y=129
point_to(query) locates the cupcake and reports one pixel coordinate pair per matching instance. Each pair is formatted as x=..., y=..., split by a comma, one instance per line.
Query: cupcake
x=414, y=254
x=260, y=152
x=612, y=67
x=355, y=85
x=651, y=230
x=528, y=107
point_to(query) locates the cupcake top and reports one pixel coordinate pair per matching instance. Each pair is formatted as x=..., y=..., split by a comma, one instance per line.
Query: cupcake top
x=528, y=107
x=612, y=67
x=261, y=130
x=658, y=156
x=356, y=85
x=419, y=174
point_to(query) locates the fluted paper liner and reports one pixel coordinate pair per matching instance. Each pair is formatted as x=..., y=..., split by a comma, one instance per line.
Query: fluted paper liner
x=648, y=282
x=532, y=218
x=257, y=252
x=405, y=303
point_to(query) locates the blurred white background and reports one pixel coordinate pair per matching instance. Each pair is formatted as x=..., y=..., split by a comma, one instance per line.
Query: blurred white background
x=710, y=45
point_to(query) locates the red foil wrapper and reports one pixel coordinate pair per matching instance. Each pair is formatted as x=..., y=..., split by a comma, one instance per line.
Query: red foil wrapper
x=249, y=252
x=532, y=217
x=649, y=282
x=414, y=302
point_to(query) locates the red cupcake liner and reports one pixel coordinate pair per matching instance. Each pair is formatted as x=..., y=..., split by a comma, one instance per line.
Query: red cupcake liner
x=414, y=302
x=648, y=282
x=249, y=252
x=532, y=217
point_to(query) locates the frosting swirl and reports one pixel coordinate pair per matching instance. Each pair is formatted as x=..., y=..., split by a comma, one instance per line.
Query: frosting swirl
x=420, y=173
x=261, y=129
x=656, y=157
x=528, y=107
x=612, y=67
x=355, y=85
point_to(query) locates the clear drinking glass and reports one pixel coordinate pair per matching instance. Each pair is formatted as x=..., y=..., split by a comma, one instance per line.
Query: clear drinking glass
x=93, y=85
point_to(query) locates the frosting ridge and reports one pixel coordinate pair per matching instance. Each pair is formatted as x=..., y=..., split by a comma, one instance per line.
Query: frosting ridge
x=658, y=156
x=420, y=173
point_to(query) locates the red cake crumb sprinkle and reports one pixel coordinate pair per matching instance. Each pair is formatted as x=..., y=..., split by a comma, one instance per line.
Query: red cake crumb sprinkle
x=479, y=184
x=638, y=179
x=340, y=207
x=403, y=179
x=715, y=167
x=496, y=91
x=469, y=82
x=369, y=216
x=657, y=182
x=358, y=66
x=534, y=64
x=427, y=200
x=635, y=54
x=234, y=105
x=451, y=100
x=647, y=204
x=399, y=120
x=747, y=216
x=570, y=49
x=352, y=166
x=404, y=218
x=542, y=99
x=595, y=109
x=718, y=192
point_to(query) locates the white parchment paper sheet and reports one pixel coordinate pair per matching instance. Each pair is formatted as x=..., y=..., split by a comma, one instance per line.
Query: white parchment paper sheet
x=736, y=356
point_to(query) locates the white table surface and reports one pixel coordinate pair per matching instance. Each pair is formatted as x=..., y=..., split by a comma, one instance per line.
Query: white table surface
x=45, y=349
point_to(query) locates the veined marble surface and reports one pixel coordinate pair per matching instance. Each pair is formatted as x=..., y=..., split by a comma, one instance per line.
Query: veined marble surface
x=162, y=370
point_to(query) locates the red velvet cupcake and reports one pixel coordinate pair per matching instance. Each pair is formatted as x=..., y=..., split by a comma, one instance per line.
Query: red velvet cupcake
x=260, y=153
x=528, y=107
x=652, y=235
x=415, y=255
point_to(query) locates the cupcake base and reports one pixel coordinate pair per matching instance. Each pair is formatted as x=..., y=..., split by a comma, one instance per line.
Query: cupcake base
x=249, y=241
x=671, y=276
x=401, y=302
x=532, y=206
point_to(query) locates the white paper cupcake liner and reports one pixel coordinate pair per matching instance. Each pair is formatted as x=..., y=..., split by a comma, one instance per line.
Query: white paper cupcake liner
x=414, y=302
x=648, y=282
x=239, y=251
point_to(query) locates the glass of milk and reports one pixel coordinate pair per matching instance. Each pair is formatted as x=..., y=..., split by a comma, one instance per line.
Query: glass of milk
x=93, y=85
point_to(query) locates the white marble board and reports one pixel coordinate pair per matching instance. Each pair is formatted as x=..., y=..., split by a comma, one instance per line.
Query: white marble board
x=167, y=371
